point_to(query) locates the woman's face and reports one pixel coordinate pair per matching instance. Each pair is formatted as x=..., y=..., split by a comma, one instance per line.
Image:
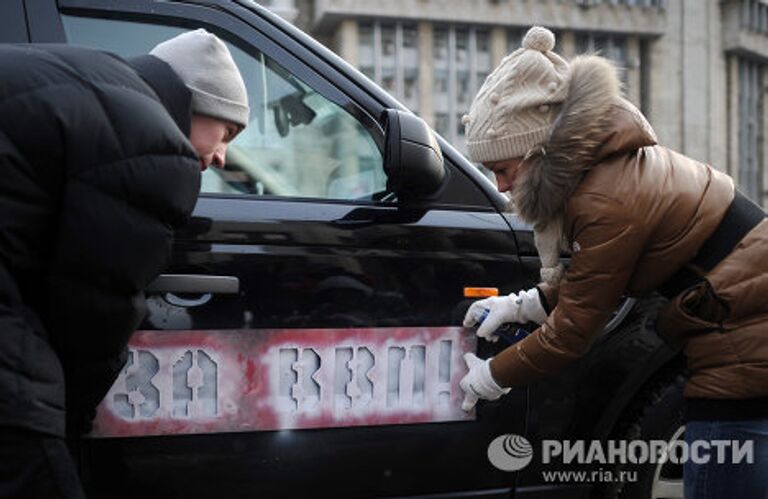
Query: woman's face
x=506, y=172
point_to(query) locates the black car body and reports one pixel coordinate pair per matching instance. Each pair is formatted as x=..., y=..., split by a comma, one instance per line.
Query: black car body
x=273, y=384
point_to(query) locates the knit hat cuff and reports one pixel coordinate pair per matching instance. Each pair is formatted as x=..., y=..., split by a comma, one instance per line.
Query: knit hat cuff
x=507, y=147
x=218, y=107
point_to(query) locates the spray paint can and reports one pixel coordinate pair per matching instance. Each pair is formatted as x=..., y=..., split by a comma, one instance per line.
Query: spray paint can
x=505, y=330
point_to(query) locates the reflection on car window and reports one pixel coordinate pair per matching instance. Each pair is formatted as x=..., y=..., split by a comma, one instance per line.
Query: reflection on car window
x=298, y=143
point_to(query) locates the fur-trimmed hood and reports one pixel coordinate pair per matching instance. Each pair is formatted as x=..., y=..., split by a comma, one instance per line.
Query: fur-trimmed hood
x=594, y=122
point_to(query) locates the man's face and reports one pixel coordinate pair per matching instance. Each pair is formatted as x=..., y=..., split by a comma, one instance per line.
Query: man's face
x=506, y=172
x=210, y=137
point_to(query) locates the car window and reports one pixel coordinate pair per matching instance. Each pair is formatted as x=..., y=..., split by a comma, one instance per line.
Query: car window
x=298, y=143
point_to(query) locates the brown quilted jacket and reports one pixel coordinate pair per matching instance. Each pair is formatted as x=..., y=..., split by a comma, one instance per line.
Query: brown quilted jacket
x=633, y=213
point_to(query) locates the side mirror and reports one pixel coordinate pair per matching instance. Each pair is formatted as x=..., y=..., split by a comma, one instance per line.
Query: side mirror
x=413, y=160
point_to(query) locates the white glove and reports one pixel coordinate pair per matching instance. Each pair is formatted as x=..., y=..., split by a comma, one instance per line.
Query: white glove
x=519, y=309
x=479, y=383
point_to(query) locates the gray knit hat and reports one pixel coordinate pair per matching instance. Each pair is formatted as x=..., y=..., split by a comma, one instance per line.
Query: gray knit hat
x=205, y=65
x=515, y=108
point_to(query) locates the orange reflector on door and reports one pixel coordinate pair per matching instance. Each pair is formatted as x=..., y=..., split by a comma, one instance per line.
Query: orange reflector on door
x=480, y=292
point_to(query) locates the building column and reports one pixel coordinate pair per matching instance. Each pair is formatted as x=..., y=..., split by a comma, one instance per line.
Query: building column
x=498, y=45
x=763, y=146
x=665, y=100
x=567, y=44
x=732, y=128
x=717, y=101
x=426, y=74
x=347, y=41
x=695, y=79
x=347, y=44
x=633, y=70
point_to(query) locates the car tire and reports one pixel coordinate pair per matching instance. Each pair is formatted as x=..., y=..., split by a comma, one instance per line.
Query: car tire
x=656, y=414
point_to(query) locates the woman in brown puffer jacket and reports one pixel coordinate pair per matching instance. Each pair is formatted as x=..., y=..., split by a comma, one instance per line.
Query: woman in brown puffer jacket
x=583, y=167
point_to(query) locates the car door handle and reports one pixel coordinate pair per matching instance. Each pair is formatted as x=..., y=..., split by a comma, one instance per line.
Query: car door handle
x=353, y=223
x=194, y=283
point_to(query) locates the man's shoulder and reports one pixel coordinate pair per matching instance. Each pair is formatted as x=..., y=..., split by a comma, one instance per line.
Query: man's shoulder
x=27, y=66
x=63, y=53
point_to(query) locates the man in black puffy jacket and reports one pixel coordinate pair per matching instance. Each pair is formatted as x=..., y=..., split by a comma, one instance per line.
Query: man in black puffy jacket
x=100, y=161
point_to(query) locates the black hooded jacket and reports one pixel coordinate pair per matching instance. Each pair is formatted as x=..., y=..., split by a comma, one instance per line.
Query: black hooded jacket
x=95, y=173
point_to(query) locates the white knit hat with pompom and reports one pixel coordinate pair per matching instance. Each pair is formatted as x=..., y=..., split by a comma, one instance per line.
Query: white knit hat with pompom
x=515, y=108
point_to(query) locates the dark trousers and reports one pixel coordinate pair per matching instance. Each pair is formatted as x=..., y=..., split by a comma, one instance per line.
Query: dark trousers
x=35, y=465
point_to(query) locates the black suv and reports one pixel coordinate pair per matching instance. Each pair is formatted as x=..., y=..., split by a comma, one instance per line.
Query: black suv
x=306, y=339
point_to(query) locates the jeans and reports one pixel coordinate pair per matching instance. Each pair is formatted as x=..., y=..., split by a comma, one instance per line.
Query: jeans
x=727, y=480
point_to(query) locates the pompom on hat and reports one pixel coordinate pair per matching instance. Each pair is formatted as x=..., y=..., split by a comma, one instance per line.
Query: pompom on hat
x=515, y=108
x=206, y=67
x=540, y=39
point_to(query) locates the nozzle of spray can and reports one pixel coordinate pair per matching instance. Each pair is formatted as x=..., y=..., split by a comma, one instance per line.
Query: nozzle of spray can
x=504, y=331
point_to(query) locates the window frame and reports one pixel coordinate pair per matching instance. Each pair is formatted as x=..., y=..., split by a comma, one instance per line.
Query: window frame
x=304, y=56
x=248, y=37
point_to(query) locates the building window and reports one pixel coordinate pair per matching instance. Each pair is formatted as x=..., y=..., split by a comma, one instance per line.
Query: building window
x=366, y=52
x=410, y=65
x=515, y=39
x=764, y=18
x=441, y=124
x=463, y=69
x=612, y=47
x=645, y=78
x=462, y=62
x=754, y=15
x=388, y=59
x=751, y=130
x=642, y=3
x=389, y=55
x=483, y=64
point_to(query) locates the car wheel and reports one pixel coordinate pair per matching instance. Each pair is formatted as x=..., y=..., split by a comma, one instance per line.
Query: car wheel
x=657, y=414
x=668, y=477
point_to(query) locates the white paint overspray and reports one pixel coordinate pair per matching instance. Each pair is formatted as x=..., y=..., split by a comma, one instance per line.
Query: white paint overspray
x=444, y=372
x=250, y=380
x=352, y=381
x=365, y=363
x=164, y=382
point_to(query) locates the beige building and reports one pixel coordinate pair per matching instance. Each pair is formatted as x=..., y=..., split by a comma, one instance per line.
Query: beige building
x=697, y=68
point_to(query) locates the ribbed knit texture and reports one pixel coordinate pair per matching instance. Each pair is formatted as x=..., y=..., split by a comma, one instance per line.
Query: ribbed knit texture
x=515, y=108
x=206, y=67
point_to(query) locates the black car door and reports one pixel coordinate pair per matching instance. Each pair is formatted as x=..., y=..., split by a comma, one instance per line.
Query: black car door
x=306, y=338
